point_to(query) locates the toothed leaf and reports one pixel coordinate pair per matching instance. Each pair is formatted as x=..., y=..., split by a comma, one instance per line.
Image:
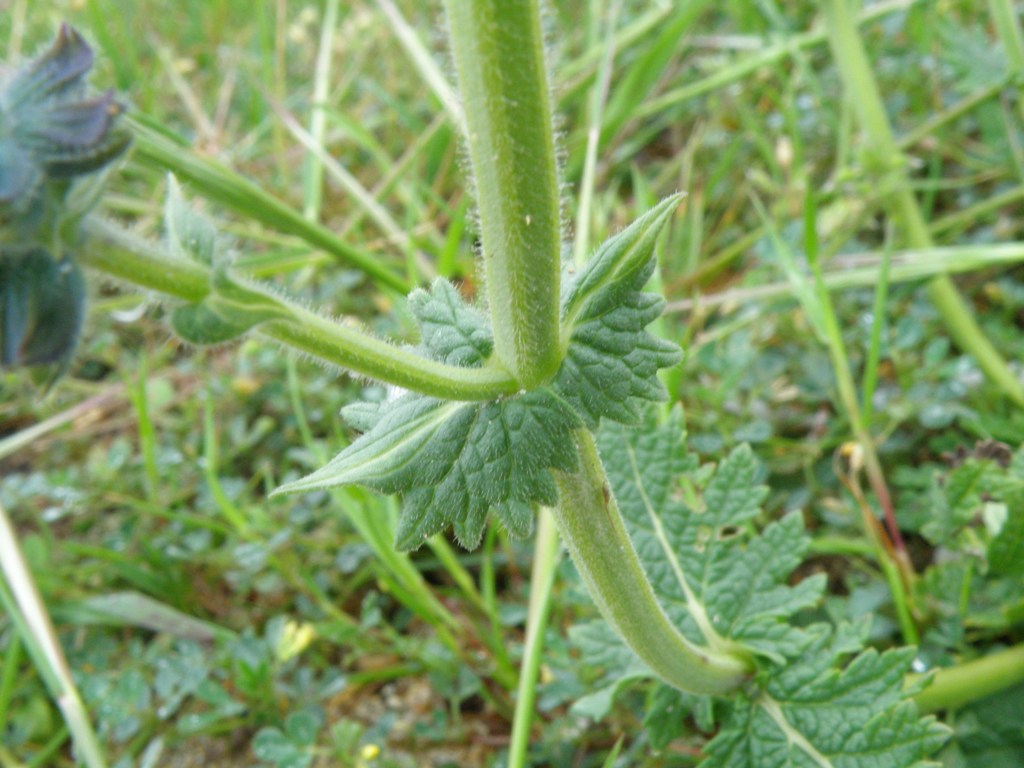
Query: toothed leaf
x=455, y=462
x=821, y=711
x=819, y=700
x=450, y=331
x=611, y=364
x=697, y=548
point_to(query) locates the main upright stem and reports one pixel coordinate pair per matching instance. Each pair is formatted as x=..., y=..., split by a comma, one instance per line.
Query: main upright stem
x=499, y=57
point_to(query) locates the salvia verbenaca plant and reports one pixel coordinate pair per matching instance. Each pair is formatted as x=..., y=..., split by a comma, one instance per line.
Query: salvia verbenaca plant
x=54, y=134
x=541, y=395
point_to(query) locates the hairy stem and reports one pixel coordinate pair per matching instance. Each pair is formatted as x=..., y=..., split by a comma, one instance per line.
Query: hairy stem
x=499, y=58
x=889, y=163
x=955, y=686
x=592, y=528
x=126, y=257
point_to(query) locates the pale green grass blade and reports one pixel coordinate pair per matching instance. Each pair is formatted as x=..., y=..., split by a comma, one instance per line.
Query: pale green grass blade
x=17, y=34
x=753, y=62
x=15, y=442
x=234, y=191
x=313, y=169
x=425, y=65
x=598, y=103
x=22, y=603
x=864, y=270
x=547, y=553
x=634, y=85
x=576, y=73
x=394, y=232
x=870, y=381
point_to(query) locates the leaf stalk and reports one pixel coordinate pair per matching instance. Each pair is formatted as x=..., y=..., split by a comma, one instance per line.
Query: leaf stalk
x=590, y=523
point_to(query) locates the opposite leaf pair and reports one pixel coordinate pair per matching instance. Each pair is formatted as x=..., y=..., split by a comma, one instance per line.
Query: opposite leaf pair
x=453, y=462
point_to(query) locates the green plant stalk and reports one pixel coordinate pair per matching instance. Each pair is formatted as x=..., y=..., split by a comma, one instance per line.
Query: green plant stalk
x=313, y=168
x=147, y=434
x=135, y=261
x=1004, y=18
x=591, y=526
x=859, y=82
x=953, y=687
x=21, y=602
x=891, y=555
x=235, y=191
x=499, y=58
x=546, y=551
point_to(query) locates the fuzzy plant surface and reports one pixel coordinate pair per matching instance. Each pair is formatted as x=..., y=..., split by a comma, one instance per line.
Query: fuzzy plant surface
x=696, y=584
x=809, y=694
x=54, y=137
x=455, y=462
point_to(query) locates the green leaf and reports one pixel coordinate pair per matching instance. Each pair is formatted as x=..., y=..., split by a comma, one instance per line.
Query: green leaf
x=455, y=462
x=273, y=746
x=821, y=712
x=725, y=584
x=232, y=307
x=601, y=649
x=450, y=331
x=190, y=235
x=228, y=312
x=1006, y=552
x=714, y=578
x=611, y=363
x=988, y=733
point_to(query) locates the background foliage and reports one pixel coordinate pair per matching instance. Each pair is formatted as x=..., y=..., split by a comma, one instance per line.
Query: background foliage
x=207, y=624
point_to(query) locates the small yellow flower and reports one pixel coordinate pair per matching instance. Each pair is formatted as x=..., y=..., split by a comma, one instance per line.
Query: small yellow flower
x=369, y=752
x=295, y=638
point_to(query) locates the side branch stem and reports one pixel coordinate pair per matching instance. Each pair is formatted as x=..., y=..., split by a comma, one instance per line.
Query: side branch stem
x=134, y=260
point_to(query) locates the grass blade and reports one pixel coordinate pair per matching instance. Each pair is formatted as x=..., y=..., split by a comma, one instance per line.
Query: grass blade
x=232, y=190
x=21, y=601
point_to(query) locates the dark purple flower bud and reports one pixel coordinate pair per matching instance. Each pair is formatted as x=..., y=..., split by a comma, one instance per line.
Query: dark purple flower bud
x=50, y=127
x=42, y=307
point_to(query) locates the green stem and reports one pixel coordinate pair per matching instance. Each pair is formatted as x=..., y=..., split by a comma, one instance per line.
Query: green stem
x=545, y=562
x=887, y=160
x=237, y=192
x=591, y=526
x=953, y=687
x=499, y=57
x=136, y=261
